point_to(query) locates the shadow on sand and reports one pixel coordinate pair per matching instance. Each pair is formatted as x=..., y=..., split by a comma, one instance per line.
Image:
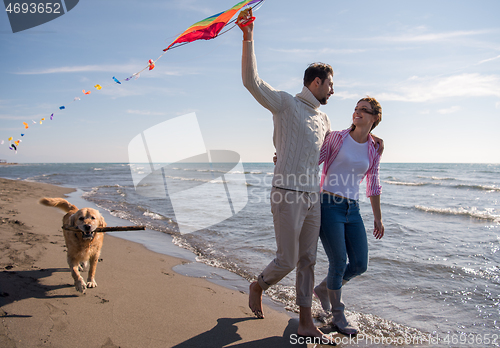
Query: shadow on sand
x=225, y=333
x=20, y=285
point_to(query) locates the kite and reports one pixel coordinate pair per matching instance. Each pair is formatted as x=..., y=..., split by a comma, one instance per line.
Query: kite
x=206, y=29
x=210, y=27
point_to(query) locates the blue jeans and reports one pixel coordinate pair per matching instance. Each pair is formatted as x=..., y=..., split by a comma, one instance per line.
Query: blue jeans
x=343, y=236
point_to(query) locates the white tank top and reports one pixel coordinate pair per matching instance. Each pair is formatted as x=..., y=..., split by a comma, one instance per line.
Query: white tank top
x=348, y=169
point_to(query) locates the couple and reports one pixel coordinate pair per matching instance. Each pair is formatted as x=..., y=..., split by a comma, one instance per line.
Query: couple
x=301, y=137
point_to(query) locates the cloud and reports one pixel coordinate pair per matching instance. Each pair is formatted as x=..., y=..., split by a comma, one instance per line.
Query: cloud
x=346, y=95
x=124, y=68
x=145, y=112
x=23, y=118
x=193, y=6
x=449, y=110
x=432, y=37
x=320, y=51
x=488, y=60
x=82, y=68
x=122, y=92
x=291, y=83
x=417, y=89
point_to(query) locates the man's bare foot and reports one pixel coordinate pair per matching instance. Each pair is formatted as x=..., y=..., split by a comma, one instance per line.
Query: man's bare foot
x=255, y=300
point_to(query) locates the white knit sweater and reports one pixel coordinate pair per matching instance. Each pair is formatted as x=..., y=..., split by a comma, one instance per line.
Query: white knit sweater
x=299, y=128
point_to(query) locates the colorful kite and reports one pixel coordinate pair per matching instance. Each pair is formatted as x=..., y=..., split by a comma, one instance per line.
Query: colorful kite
x=210, y=27
x=207, y=29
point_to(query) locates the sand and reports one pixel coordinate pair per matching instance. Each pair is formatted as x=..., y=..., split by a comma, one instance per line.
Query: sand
x=139, y=300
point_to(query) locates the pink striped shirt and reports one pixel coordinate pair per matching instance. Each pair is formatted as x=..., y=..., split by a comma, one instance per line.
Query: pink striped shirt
x=331, y=147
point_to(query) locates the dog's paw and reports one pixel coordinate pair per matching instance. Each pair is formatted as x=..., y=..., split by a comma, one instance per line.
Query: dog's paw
x=91, y=283
x=80, y=286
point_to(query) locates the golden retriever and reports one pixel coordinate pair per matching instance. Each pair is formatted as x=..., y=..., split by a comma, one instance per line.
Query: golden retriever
x=84, y=246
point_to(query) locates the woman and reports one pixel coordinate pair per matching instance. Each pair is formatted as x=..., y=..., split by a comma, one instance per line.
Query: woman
x=348, y=157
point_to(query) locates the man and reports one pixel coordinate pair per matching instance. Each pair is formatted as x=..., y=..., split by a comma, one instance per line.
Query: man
x=299, y=131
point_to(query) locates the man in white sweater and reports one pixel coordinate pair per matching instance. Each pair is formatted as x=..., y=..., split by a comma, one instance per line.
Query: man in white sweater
x=299, y=131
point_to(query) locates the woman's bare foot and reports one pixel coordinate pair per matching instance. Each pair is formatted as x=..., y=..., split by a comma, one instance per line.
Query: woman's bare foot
x=308, y=329
x=255, y=300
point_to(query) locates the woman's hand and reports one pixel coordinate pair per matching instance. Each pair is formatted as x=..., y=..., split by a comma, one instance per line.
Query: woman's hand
x=380, y=144
x=378, y=230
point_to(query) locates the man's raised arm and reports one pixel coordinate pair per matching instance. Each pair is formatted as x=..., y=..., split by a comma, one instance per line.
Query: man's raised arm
x=266, y=95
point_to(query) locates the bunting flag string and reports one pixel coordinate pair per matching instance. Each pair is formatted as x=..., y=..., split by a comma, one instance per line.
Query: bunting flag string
x=206, y=29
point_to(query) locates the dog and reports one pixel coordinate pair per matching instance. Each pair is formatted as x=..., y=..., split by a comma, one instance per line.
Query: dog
x=84, y=246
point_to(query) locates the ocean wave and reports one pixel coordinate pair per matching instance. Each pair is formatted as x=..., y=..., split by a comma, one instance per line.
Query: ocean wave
x=471, y=212
x=93, y=191
x=491, y=188
x=436, y=178
x=44, y=176
x=492, y=273
x=206, y=170
x=90, y=193
x=140, y=170
x=155, y=216
x=121, y=214
x=259, y=172
x=217, y=180
x=392, y=182
x=255, y=172
x=213, y=181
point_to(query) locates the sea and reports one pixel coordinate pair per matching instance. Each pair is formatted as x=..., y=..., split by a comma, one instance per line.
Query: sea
x=432, y=280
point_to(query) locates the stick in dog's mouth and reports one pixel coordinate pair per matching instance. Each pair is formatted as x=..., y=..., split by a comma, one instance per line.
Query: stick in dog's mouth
x=87, y=231
x=89, y=235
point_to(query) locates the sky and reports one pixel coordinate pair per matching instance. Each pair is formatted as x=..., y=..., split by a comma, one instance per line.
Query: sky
x=434, y=66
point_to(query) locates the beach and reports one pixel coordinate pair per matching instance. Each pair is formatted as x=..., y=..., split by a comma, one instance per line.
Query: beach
x=139, y=301
x=432, y=280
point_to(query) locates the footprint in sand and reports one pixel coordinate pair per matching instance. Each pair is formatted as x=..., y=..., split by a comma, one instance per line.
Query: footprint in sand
x=58, y=317
x=109, y=344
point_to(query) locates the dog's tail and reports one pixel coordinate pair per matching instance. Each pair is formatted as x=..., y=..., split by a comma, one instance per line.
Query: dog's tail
x=58, y=203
